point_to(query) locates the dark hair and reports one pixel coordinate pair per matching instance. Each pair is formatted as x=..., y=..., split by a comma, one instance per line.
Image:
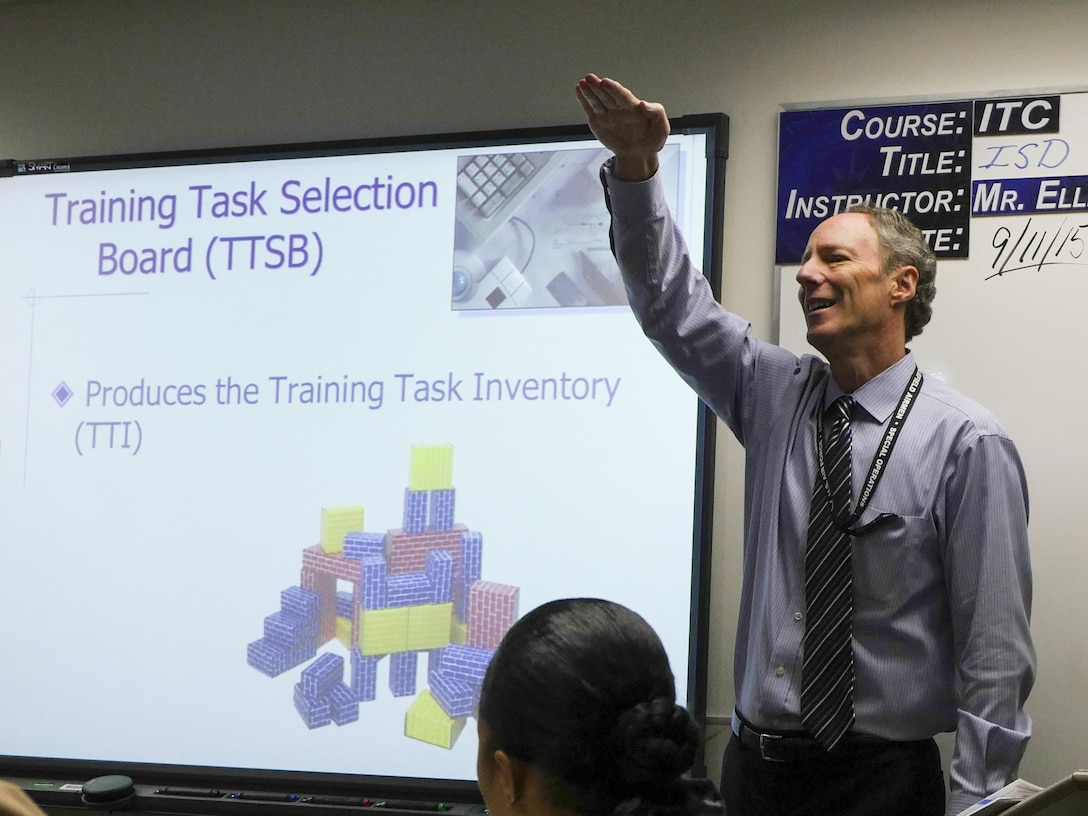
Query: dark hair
x=582, y=688
x=903, y=244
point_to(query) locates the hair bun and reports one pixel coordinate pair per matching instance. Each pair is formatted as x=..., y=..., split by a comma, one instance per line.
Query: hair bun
x=683, y=797
x=656, y=742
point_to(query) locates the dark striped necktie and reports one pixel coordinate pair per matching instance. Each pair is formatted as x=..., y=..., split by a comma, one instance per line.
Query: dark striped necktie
x=827, y=679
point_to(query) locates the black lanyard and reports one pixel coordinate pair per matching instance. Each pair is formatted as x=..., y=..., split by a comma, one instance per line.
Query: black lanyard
x=880, y=461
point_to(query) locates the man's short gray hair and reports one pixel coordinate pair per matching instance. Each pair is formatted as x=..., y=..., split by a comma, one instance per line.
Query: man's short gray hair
x=902, y=244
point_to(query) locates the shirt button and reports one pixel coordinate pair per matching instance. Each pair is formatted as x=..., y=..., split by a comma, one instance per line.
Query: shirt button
x=798, y=615
x=780, y=670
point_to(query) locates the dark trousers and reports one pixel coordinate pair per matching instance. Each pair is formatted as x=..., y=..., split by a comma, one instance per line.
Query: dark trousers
x=871, y=779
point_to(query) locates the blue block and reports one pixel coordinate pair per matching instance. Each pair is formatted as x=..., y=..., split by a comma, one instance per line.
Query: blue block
x=314, y=712
x=321, y=676
x=402, y=673
x=408, y=589
x=472, y=556
x=274, y=659
x=344, y=605
x=267, y=658
x=372, y=575
x=289, y=629
x=459, y=596
x=442, y=509
x=364, y=676
x=465, y=663
x=434, y=660
x=302, y=602
x=455, y=696
x=343, y=707
x=415, y=510
x=361, y=545
x=439, y=571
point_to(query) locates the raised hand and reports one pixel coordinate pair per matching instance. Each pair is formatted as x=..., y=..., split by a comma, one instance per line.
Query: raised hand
x=632, y=128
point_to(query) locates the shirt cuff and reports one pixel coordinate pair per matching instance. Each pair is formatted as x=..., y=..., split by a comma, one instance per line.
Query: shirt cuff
x=634, y=201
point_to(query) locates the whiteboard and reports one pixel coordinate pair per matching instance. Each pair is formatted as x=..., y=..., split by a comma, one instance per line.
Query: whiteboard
x=1008, y=320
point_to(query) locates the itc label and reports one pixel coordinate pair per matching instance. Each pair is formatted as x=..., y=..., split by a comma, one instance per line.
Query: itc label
x=1000, y=117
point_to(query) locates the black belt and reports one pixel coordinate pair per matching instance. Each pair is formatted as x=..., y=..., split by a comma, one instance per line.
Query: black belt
x=792, y=746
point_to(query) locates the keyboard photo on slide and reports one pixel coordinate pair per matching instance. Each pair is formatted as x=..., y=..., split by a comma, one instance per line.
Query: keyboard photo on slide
x=490, y=188
x=531, y=231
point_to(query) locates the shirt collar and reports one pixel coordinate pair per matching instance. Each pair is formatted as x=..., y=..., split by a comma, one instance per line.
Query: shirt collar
x=881, y=395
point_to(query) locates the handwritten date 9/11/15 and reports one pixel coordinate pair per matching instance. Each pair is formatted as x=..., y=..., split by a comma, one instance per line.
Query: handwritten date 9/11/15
x=1034, y=248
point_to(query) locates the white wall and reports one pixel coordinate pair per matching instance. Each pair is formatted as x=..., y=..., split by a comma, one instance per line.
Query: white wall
x=80, y=78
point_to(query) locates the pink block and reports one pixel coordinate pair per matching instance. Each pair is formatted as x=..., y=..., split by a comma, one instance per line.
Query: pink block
x=335, y=564
x=492, y=610
x=325, y=587
x=407, y=552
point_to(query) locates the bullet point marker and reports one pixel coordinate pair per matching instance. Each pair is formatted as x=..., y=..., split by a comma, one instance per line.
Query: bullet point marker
x=62, y=393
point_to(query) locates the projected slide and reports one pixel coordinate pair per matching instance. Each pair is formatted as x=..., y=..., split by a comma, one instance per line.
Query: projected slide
x=287, y=445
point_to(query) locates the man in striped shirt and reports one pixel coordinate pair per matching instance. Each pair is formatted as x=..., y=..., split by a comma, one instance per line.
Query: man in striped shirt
x=941, y=579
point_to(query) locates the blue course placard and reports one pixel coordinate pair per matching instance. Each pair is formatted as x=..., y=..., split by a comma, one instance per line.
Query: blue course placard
x=914, y=158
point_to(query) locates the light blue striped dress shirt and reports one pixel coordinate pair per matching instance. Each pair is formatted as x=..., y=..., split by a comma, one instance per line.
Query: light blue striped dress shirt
x=942, y=594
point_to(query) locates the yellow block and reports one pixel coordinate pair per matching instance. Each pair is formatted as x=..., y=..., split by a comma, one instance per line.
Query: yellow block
x=429, y=626
x=426, y=721
x=343, y=631
x=459, y=632
x=383, y=631
x=335, y=522
x=430, y=467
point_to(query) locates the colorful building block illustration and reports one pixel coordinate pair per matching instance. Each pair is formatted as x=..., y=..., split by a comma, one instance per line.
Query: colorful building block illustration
x=392, y=596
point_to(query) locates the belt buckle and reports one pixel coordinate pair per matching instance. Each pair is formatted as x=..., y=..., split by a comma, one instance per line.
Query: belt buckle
x=763, y=740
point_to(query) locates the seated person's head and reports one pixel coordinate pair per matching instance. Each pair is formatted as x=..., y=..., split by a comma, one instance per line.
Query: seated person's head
x=578, y=715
